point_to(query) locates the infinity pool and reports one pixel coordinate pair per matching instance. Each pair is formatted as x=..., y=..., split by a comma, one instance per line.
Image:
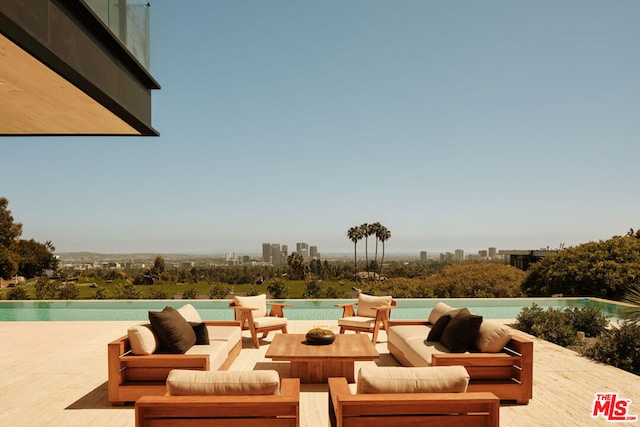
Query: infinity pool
x=90, y=310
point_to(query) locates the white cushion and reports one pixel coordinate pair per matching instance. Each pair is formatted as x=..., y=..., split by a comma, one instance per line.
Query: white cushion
x=437, y=311
x=142, y=340
x=258, y=301
x=185, y=382
x=227, y=334
x=357, y=321
x=367, y=304
x=436, y=379
x=218, y=351
x=492, y=337
x=190, y=313
x=262, y=322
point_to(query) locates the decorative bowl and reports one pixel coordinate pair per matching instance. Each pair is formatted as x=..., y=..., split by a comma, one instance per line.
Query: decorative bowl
x=320, y=336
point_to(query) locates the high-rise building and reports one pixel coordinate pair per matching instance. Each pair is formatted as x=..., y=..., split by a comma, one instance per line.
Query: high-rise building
x=482, y=253
x=423, y=256
x=459, y=255
x=276, y=255
x=492, y=253
x=303, y=249
x=313, y=252
x=266, y=252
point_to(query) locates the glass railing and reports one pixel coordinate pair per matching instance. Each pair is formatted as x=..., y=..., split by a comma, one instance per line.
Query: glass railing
x=129, y=21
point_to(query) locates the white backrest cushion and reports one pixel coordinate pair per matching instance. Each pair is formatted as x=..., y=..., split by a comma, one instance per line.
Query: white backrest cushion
x=187, y=382
x=142, y=340
x=438, y=310
x=367, y=304
x=432, y=379
x=492, y=337
x=190, y=313
x=258, y=301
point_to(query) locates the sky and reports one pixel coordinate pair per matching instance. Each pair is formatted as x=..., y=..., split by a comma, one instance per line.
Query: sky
x=456, y=124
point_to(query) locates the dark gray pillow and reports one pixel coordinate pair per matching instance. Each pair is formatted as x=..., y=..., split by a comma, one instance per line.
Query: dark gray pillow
x=438, y=328
x=202, y=333
x=460, y=333
x=174, y=333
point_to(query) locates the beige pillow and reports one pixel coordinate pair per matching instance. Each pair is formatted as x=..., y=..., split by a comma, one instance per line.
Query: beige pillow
x=435, y=379
x=492, y=337
x=258, y=301
x=142, y=340
x=190, y=313
x=367, y=304
x=437, y=311
x=186, y=382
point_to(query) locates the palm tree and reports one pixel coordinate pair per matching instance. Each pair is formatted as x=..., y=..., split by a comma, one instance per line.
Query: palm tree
x=633, y=297
x=365, y=229
x=375, y=229
x=354, y=234
x=383, y=235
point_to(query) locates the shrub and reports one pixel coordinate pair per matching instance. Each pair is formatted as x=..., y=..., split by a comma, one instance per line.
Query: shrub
x=101, y=293
x=68, y=291
x=18, y=293
x=190, y=293
x=619, y=347
x=127, y=291
x=555, y=328
x=219, y=290
x=277, y=289
x=157, y=293
x=589, y=320
x=530, y=316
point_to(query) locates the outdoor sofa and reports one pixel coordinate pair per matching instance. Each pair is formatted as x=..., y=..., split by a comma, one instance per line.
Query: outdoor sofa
x=497, y=360
x=139, y=362
x=399, y=396
x=244, y=398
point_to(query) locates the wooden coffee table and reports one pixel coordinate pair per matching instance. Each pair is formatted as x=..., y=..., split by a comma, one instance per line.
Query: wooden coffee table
x=317, y=363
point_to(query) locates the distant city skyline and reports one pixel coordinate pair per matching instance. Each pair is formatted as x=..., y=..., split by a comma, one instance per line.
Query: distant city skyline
x=454, y=124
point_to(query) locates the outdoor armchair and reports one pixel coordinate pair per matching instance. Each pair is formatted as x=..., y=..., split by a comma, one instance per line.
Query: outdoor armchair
x=252, y=313
x=371, y=314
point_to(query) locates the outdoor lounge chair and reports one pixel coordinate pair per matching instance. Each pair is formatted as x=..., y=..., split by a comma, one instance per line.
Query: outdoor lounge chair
x=242, y=398
x=371, y=314
x=423, y=396
x=252, y=314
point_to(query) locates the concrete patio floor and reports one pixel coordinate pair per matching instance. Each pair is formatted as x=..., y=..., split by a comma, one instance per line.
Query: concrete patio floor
x=55, y=374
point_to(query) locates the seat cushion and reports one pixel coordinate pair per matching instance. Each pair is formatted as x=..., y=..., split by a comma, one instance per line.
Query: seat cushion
x=436, y=379
x=357, y=322
x=368, y=303
x=259, y=302
x=183, y=382
x=218, y=351
x=231, y=335
x=267, y=322
x=492, y=337
x=409, y=340
x=174, y=333
x=461, y=332
x=142, y=339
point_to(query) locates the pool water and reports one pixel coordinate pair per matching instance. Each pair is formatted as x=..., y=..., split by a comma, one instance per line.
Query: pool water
x=90, y=310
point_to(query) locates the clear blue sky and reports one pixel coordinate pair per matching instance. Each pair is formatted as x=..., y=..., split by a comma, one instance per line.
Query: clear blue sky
x=456, y=124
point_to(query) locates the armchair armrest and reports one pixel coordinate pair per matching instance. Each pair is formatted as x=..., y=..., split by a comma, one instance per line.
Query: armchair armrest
x=276, y=309
x=347, y=309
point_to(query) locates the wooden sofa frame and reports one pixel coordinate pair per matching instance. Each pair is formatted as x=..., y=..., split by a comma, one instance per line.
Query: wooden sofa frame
x=383, y=313
x=507, y=374
x=281, y=410
x=347, y=409
x=132, y=376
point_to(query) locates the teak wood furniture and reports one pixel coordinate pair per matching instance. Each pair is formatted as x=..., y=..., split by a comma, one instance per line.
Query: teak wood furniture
x=281, y=410
x=368, y=317
x=317, y=363
x=133, y=376
x=507, y=374
x=252, y=314
x=347, y=409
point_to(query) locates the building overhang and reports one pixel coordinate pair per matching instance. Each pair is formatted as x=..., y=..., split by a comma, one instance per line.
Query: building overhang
x=62, y=72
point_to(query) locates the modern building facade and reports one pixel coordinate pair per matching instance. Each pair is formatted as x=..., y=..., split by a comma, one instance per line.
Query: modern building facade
x=75, y=67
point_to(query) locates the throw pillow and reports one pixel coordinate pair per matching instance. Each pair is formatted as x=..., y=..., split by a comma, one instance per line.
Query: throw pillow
x=142, y=340
x=438, y=328
x=461, y=332
x=438, y=310
x=190, y=313
x=202, y=333
x=258, y=301
x=173, y=331
x=492, y=337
